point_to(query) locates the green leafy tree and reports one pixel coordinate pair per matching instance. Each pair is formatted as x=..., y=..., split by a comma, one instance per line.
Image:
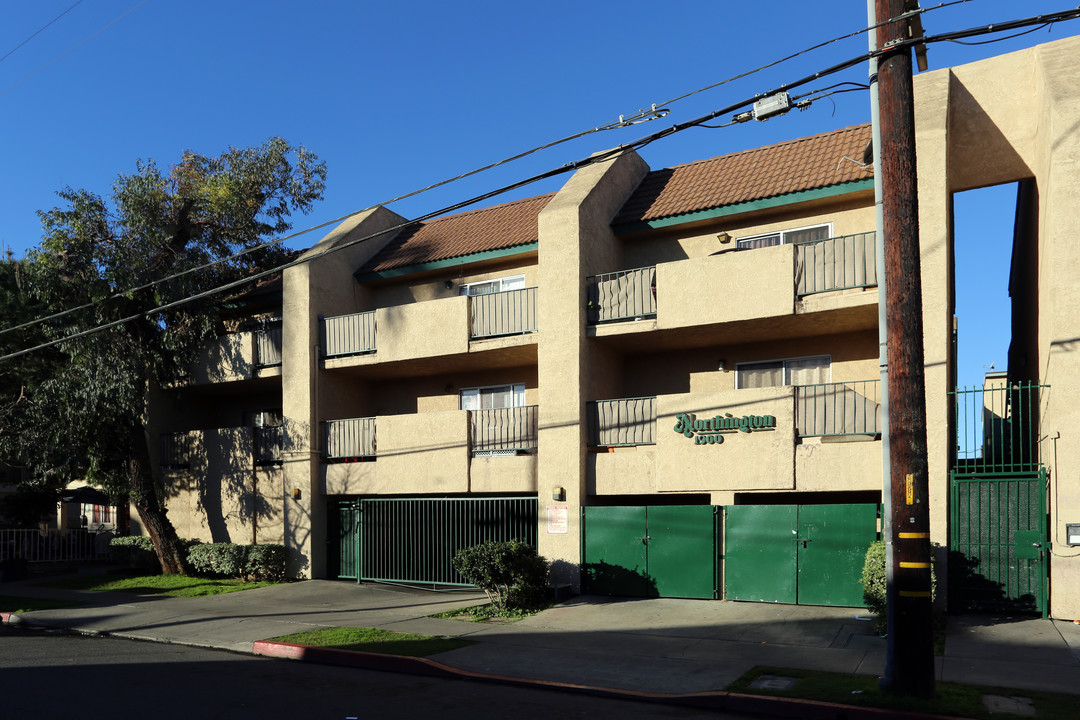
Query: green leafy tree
x=88, y=419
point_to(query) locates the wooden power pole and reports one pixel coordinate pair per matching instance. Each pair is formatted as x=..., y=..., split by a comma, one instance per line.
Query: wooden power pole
x=910, y=601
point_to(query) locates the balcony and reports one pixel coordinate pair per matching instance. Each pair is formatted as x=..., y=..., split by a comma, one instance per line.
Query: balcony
x=836, y=409
x=268, y=345
x=452, y=451
x=269, y=443
x=774, y=438
x=738, y=286
x=840, y=263
x=430, y=329
x=176, y=450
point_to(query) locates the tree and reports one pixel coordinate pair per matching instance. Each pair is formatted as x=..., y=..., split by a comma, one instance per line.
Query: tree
x=87, y=419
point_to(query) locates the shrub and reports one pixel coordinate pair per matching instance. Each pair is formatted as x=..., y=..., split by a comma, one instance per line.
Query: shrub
x=135, y=551
x=510, y=573
x=221, y=559
x=265, y=562
x=874, y=581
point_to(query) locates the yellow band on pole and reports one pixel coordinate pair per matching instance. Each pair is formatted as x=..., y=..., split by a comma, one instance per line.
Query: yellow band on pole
x=914, y=565
x=912, y=536
x=915, y=593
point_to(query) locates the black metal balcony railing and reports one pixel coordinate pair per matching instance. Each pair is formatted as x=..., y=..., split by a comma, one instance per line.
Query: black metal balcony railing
x=269, y=443
x=268, y=345
x=836, y=263
x=503, y=430
x=622, y=295
x=349, y=334
x=998, y=428
x=350, y=439
x=839, y=408
x=177, y=450
x=626, y=421
x=510, y=312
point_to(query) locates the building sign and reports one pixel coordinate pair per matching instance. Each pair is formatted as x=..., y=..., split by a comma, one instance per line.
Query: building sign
x=711, y=431
x=558, y=519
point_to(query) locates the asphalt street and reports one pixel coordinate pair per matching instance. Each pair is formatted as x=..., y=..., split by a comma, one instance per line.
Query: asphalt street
x=59, y=674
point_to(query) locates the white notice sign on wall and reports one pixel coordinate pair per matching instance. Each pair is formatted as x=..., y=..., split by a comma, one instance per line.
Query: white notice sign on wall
x=558, y=519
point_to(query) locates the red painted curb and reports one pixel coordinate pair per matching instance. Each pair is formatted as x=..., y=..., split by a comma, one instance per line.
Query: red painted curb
x=715, y=700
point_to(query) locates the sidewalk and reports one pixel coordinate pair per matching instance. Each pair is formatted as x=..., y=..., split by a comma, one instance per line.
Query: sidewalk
x=633, y=646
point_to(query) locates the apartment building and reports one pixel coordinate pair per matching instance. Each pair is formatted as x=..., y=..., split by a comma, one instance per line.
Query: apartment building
x=667, y=379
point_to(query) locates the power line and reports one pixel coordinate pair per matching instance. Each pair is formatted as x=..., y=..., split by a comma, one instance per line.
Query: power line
x=39, y=31
x=76, y=46
x=568, y=167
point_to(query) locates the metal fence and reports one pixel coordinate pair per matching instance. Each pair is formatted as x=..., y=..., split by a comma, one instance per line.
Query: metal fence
x=503, y=429
x=177, y=449
x=268, y=345
x=269, y=442
x=622, y=295
x=53, y=545
x=349, y=334
x=509, y=312
x=997, y=428
x=836, y=264
x=841, y=408
x=626, y=421
x=349, y=439
x=415, y=540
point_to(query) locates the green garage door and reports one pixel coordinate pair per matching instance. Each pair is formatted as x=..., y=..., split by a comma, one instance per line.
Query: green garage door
x=650, y=551
x=805, y=554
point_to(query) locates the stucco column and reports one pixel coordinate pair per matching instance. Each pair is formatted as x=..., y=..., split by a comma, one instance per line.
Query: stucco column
x=575, y=241
x=322, y=286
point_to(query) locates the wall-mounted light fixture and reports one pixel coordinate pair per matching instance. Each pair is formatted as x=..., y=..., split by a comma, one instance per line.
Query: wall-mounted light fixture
x=721, y=364
x=449, y=284
x=558, y=494
x=296, y=494
x=724, y=238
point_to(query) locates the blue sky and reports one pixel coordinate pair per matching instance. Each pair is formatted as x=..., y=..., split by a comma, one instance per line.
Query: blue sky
x=396, y=96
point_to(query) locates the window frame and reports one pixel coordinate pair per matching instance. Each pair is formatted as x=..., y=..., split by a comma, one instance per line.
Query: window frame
x=786, y=377
x=517, y=393
x=783, y=235
x=463, y=288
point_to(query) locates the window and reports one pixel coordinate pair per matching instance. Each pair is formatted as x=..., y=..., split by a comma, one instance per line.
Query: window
x=265, y=418
x=793, y=371
x=514, y=282
x=493, y=396
x=784, y=237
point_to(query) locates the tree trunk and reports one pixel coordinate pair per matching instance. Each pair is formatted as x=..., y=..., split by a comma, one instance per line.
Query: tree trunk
x=150, y=504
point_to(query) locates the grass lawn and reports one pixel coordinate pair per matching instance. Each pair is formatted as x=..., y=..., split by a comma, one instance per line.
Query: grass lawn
x=952, y=698
x=169, y=585
x=9, y=603
x=374, y=640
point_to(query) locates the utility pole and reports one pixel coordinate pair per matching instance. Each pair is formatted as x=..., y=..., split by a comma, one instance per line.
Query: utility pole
x=910, y=604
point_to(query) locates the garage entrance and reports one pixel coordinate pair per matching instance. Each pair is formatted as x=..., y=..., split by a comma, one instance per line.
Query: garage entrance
x=797, y=554
x=651, y=551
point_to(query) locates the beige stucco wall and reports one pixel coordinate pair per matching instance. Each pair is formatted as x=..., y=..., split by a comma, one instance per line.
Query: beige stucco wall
x=418, y=330
x=227, y=359
x=847, y=216
x=759, y=460
x=222, y=496
x=825, y=466
x=322, y=286
x=756, y=284
x=575, y=241
x=432, y=286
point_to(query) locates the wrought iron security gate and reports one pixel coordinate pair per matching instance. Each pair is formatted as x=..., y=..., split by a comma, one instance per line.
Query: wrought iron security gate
x=998, y=541
x=413, y=540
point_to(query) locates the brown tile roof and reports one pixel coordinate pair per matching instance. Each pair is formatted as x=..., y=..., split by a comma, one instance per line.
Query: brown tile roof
x=491, y=228
x=803, y=164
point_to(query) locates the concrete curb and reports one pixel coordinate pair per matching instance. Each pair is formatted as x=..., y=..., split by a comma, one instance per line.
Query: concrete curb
x=717, y=700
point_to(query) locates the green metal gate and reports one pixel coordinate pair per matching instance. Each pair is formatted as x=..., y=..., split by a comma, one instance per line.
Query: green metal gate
x=998, y=534
x=998, y=542
x=413, y=540
x=651, y=551
x=797, y=554
x=342, y=539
